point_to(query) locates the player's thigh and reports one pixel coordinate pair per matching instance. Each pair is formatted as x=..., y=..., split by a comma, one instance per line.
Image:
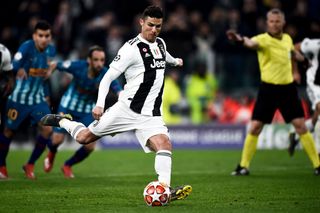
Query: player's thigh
x=152, y=126
x=16, y=114
x=118, y=118
x=38, y=111
x=313, y=92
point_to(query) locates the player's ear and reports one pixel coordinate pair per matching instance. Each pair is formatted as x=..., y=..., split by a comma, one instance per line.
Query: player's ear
x=141, y=21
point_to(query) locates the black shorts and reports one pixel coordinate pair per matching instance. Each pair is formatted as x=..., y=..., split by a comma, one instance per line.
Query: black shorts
x=272, y=97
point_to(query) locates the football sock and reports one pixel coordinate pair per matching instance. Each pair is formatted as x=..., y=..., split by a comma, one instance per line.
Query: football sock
x=4, y=149
x=249, y=149
x=310, y=148
x=162, y=165
x=81, y=154
x=39, y=148
x=72, y=127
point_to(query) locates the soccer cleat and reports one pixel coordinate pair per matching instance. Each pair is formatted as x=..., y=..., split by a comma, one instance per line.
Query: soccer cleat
x=3, y=173
x=240, y=171
x=67, y=171
x=317, y=171
x=48, y=161
x=180, y=192
x=293, y=142
x=28, y=171
x=54, y=119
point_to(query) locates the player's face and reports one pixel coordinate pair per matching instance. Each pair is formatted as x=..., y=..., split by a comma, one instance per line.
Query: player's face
x=97, y=60
x=42, y=38
x=150, y=28
x=275, y=24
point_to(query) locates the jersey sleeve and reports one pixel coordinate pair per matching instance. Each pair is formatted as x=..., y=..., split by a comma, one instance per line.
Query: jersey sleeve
x=21, y=56
x=124, y=58
x=68, y=66
x=260, y=40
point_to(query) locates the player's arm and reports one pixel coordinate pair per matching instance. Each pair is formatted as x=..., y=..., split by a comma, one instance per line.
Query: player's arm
x=104, y=86
x=19, y=60
x=173, y=61
x=244, y=40
x=295, y=71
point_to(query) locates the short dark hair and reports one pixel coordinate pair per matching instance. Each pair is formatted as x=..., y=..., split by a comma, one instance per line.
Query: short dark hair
x=153, y=12
x=276, y=11
x=94, y=48
x=42, y=25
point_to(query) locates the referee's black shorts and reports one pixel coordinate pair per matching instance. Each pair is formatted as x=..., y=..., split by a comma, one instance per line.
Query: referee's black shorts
x=272, y=97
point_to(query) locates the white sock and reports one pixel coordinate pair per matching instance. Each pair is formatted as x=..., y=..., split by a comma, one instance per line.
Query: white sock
x=72, y=127
x=162, y=165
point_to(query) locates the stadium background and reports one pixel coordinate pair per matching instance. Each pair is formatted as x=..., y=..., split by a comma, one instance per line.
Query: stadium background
x=194, y=31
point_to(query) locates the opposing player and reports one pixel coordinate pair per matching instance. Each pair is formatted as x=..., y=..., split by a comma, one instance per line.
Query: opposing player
x=143, y=61
x=277, y=90
x=78, y=101
x=27, y=100
x=310, y=48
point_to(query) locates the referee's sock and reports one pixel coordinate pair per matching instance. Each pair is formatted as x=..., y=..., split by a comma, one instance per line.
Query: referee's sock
x=310, y=148
x=249, y=149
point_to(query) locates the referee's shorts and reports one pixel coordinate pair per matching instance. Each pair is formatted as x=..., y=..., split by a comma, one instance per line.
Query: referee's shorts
x=272, y=97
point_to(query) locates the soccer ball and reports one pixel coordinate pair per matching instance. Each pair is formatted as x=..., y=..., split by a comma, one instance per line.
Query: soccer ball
x=156, y=194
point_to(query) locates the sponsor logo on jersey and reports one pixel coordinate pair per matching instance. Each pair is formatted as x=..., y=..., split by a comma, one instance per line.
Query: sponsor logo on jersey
x=158, y=64
x=37, y=72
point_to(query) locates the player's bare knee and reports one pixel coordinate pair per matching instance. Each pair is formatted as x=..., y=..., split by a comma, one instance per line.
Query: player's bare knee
x=46, y=131
x=57, y=138
x=86, y=137
x=159, y=142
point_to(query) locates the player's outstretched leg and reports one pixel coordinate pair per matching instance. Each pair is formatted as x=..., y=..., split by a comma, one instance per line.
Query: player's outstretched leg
x=54, y=119
x=180, y=192
x=293, y=142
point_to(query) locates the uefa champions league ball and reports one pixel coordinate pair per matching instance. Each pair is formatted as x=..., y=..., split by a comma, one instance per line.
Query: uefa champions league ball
x=156, y=194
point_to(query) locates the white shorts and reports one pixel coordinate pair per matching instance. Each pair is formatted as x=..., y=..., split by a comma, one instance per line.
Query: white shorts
x=120, y=118
x=313, y=92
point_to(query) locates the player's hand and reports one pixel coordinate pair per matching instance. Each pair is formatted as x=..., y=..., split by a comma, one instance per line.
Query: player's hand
x=21, y=74
x=51, y=68
x=97, y=112
x=179, y=62
x=233, y=36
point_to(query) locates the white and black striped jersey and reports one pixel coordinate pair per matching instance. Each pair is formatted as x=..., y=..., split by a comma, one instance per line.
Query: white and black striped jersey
x=5, y=59
x=310, y=49
x=143, y=64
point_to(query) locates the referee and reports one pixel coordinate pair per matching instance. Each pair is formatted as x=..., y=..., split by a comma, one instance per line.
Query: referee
x=275, y=51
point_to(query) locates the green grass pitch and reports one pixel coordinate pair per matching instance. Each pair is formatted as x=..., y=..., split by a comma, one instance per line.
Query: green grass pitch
x=113, y=181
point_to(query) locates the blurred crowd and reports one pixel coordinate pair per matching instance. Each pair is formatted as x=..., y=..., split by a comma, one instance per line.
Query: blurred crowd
x=218, y=80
